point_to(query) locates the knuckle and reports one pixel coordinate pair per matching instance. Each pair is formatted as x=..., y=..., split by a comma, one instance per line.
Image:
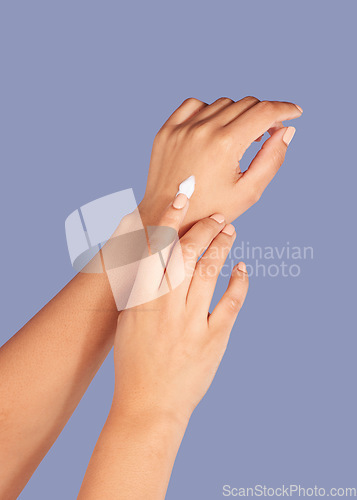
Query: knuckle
x=254, y=196
x=234, y=303
x=251, y=99
x=277, y=155
x=201, y=130
x=266, y=106
x=207, y=271
x=208, y=224
x=225, y=100
x=192, y=100
x=225, y=138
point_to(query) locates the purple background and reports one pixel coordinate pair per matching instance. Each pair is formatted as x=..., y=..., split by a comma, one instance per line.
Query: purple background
x=84, y=87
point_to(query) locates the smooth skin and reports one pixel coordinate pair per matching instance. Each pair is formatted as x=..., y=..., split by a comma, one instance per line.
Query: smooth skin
x=166, y=354
x=209, y=141
x=47, y=366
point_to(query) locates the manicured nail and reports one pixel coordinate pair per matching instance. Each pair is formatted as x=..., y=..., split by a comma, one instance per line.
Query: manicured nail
x=180, y=201
x=289, y=134
x=229, y=229
x=242, y=267
x=299, y=108
x=218, y=218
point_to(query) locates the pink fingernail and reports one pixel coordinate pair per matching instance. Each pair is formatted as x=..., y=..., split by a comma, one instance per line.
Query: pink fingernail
x=289, y=134
x=180, y=201
x=242, y=267
x=218, y=218
x=229, y=229
x=299, y=108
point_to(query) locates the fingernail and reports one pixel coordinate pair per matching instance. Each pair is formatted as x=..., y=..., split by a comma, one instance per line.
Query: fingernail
x=299, y=108
x=242, y=267
x=229, y=229
x=289, y=134
x=180, y=201
x=218, y=218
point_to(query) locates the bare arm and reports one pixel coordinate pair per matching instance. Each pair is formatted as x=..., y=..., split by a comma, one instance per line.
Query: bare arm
x=47, y=366
x=166, y=355
x=45, y=370
x=134, y=456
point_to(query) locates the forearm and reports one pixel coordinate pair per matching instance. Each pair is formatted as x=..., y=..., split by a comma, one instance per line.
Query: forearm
x=44, y=371
x=134, y=456
x=59, y=351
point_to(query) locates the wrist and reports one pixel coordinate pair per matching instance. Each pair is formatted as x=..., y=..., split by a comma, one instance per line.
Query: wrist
x=153, y=415
x=151, y=212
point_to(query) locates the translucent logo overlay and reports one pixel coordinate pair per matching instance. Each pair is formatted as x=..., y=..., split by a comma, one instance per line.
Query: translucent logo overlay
x=107, y=236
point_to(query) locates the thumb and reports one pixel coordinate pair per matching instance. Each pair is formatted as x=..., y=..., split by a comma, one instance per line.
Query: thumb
x=267, y=161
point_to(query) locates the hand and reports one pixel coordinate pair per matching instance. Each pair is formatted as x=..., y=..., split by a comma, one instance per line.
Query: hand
x=167, y=351
x=208, y=141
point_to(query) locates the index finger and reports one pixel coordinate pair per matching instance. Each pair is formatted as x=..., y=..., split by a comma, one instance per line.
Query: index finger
x=257, y=120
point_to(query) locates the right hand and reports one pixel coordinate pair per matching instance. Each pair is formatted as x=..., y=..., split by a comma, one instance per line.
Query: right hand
x=167, y=351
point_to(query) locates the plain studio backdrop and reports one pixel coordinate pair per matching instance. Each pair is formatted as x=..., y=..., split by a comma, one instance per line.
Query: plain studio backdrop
x=84, y=87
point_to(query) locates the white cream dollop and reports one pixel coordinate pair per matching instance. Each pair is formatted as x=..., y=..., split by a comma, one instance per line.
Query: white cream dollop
x=187, y=186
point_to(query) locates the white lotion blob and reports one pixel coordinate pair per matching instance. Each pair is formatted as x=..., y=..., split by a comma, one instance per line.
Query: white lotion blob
x=187, y=186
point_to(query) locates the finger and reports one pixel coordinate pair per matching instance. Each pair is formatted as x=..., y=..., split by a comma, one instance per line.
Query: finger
x=199, y=237
x=175, y=212
x=276, y=126
x=225, y=313
x=271, y=130
x=207, y=270
x=185, y=111
x=212, y=109
x=151, y=280
x=265, y=165
x=258, y=119
x=165, y=232
x=191, y=246
x=229, y=113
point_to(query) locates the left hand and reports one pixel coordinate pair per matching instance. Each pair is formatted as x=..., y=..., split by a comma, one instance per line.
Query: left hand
x=208, y=141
